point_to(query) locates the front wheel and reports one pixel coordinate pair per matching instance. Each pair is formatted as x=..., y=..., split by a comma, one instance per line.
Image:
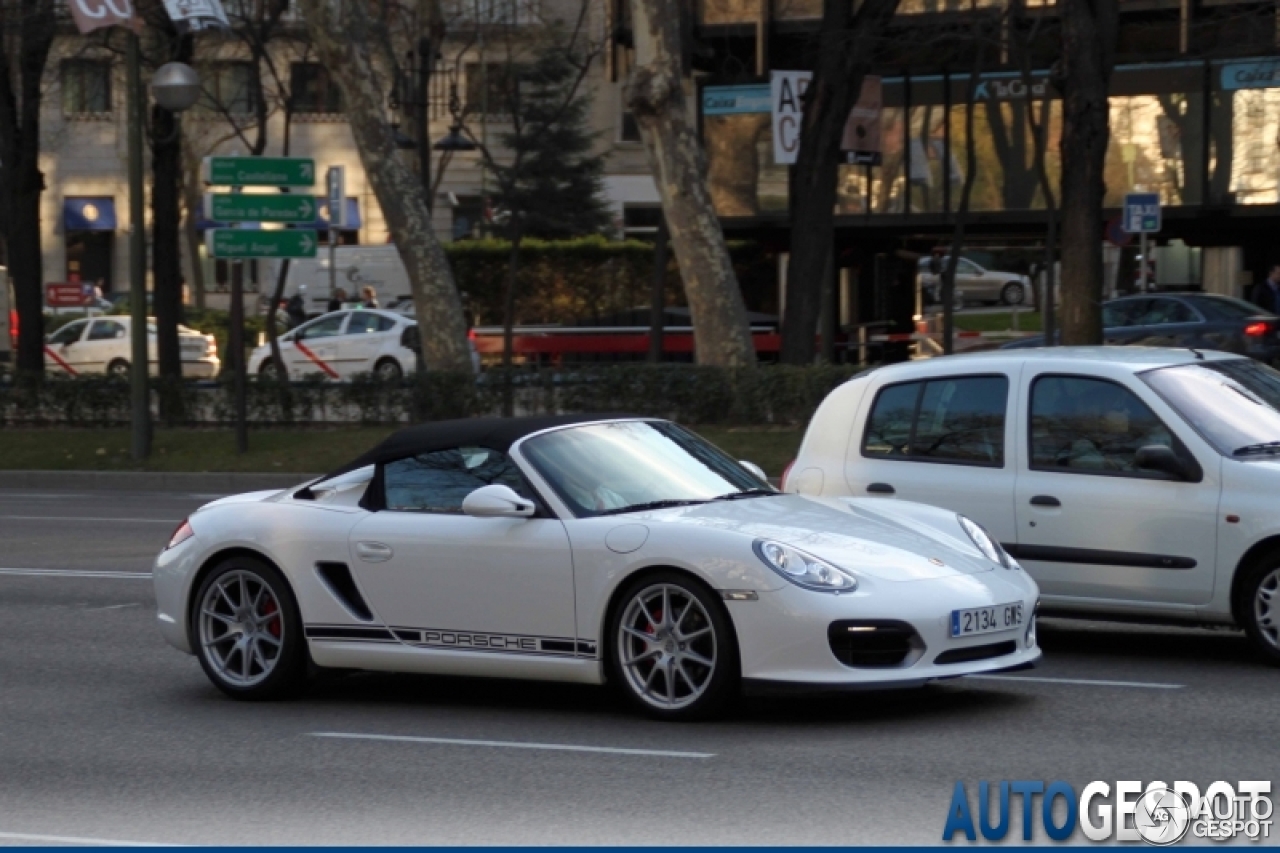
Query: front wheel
x=1013, y=294
x=673, y=652
x=247, y=631
x=1259, y=607
x=119, y=368
x=269, y=371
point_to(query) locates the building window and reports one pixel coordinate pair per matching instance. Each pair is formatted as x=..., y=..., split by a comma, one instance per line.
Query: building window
x=86, y=87
x=228, y=88
x=492, y=12
x=468, y=217
x=314, y=91
x=628, y=130
x=490, y=89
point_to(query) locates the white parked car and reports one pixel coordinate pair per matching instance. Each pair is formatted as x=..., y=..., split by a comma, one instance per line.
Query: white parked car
x=571, y=549
x=975, y=283
x=344, y=343
x=1131, y=482
x=102, y=345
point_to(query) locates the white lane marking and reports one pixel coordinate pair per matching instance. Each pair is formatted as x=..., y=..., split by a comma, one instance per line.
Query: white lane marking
x=77, y=573
x=1088, y=682
x=50, y=495
x=89, y=518
x=112, y=607
x=513, y=744
x=75, y=839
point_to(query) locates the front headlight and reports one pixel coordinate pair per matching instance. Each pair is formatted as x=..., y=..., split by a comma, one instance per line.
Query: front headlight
x=989, y=547
x=803, y=569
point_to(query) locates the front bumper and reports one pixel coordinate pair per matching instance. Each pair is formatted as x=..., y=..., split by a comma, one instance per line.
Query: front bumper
x=783, y=636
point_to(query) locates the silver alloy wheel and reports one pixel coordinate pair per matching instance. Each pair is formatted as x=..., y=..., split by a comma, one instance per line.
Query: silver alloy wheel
x=1013, y=294
x=241, y=628
x=667, y=646
x=1266, y=608
x=388, y=371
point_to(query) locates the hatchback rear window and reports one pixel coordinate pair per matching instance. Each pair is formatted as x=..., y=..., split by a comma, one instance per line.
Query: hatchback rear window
x=958, y=419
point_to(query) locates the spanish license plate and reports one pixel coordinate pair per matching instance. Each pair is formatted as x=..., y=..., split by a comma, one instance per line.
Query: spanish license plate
x=985, y=620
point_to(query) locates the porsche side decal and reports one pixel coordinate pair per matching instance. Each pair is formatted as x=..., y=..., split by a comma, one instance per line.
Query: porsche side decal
x=472, y=641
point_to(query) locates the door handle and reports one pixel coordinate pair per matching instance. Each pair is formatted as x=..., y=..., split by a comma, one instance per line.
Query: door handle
x=880, y=489
x=1045, y=500
x=373, y=552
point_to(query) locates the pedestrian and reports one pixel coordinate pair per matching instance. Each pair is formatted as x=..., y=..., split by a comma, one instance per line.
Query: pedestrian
x=283, y=321
x=297, y=307
x=338, y=299
x=368, y=297
x=1266, y=294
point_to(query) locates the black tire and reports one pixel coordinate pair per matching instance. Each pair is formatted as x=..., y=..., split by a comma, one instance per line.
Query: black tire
x=1013, y=294
x=1258, y=606
x=389, y=370
x=119, y=367
x=715, y=685
x=268, y=370
x=264, y=676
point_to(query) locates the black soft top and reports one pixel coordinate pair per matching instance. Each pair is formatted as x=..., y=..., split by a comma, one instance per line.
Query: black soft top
x=490, y=433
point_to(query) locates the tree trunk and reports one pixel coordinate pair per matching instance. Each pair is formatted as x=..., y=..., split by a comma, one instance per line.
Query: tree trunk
x=20, y=173
x=508, y=323
x=657, y=100
x=845, y=50
x=192, y=199
x=344, y=40
x=1088, y=55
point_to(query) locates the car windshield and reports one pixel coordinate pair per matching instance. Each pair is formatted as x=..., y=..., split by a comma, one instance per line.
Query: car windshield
x=629, y=466
x=1234, y=404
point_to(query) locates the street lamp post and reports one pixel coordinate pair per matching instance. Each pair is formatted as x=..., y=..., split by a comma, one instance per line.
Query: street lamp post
x=176, y=87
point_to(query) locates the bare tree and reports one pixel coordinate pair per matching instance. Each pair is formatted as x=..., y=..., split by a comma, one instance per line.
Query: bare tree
x=1084, y=74
x=348, y=41
x=846, y=45
x=657, y=100
x=26, y=36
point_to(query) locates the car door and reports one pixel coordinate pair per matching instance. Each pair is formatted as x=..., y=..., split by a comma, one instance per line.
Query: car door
x=107, y=341
x=943, y=441
x=972, y=280
x=315, y=346
x=1092, y=524
x=367, y=337
x=1165, y=323
x=443, y=579
x=62, y=349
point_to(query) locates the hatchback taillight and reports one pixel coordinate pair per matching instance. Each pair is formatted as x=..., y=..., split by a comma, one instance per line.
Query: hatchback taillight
x=1257, y=330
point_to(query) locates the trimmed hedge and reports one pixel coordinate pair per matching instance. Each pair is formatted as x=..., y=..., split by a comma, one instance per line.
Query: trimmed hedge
x=690, y=394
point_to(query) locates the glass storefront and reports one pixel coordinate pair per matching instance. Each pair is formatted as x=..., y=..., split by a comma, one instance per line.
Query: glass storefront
x=1161, y=141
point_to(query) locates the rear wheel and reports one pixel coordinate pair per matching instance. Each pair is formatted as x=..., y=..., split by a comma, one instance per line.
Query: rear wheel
x=1012, y=294
x=247, y=631
x=1259, y=606
x=673, y=652
x=119, y=367
x=268, y=370
x=389, y=370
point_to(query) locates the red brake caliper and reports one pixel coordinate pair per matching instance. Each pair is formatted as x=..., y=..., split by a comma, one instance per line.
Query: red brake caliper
x=274, y=625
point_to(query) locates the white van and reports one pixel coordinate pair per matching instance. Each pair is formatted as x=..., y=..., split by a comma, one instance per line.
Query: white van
x=377, y=266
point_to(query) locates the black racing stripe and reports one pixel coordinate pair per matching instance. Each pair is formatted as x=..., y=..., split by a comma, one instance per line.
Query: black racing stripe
x=1095, y=557
x=564, y=646
x=324, y=632
x=408, y=636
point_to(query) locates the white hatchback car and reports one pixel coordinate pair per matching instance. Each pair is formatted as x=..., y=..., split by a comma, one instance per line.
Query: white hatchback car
x=103, y=345
x=344, y=343
x=1131, y=482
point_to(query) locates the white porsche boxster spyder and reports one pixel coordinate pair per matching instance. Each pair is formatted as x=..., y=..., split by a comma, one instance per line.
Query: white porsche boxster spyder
x=586, y=549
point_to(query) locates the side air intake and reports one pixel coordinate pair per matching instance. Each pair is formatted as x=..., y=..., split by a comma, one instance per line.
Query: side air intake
x=337, y=577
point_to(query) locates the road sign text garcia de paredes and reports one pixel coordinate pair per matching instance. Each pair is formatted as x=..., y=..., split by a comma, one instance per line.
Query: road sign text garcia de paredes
x=245, y=207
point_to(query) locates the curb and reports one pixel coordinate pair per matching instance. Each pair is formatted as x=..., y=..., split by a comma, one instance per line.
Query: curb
x=151, y=481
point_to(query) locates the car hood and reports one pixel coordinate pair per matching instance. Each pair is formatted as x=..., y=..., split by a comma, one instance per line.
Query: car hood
x=880, y=538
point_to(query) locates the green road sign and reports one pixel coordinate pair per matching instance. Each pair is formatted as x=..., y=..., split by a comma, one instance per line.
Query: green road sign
x=237, y=243
x=260, y=171
x=241, y=207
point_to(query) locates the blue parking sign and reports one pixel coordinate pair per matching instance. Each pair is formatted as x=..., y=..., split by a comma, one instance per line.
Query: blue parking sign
x=1141, y=213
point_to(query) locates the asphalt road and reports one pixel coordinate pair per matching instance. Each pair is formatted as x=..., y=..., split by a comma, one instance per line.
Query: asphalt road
x=107, y=733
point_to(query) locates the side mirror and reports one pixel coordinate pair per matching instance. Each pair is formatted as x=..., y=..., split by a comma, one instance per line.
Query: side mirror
x=497, y=502
x=1158, y=457
x=754, y=469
